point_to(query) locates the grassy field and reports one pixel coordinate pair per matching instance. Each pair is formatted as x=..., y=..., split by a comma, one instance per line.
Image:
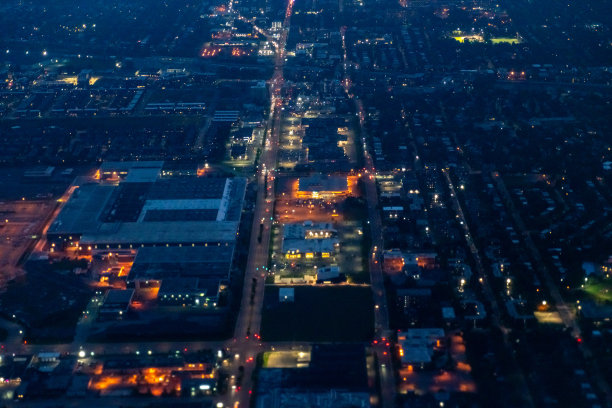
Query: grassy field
x=339, y=313
x=599, y=289
x=505, y=40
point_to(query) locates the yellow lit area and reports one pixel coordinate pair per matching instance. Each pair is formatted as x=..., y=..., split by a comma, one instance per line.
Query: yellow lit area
x=203, y=170
x=428, y=382
x=457, y=379
x=314, y=234
x=197, y=367
x=351, y=182
x=394, y=264
x=469, y=38
x=210, y=52
x=506, y=40
x=295, y=187
x=108, y=381
x=155, y=381
x=147, y=294
x=72, y=80
x=548, y=317
x=287, y=358
x=325, y=255
x=309, y=255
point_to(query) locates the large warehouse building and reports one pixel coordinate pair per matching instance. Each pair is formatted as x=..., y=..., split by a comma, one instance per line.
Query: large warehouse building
x=173, y=211
x=183, y=229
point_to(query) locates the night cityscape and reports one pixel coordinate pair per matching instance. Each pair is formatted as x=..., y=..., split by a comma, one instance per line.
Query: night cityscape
x=306, y=203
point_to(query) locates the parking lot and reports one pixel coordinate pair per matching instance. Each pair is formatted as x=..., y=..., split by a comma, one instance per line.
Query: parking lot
x=20, y=226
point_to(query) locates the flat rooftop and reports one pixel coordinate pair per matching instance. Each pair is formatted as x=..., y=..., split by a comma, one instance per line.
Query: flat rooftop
x=83, y=210
x=417, y=345
x=188, y=255
x=175, y=210
x=164, y=232
x=308, y=230
x=310, y=245
x=318, y=182
x=209, y=287
x=115, y=296
x=203, y=262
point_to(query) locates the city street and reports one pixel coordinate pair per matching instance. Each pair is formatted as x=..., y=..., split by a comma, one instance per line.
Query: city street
x=246, y=344
x=381, y=312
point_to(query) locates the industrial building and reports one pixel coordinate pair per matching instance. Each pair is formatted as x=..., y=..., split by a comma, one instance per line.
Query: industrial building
x=148, y=210
x=116, y=303
x=188, y=292
x=187, y=275
x=182, y=228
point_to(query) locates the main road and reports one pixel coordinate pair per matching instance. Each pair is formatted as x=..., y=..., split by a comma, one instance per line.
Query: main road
x=381, y=312
x=246, y=343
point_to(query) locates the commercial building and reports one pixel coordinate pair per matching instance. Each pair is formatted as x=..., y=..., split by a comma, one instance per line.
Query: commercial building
x=183, y=229
x=181, y=375
x=329, y=274
x=309, y=240
x=119, y=171
x=393, y=261
x=188, y=292
x=322, y=186
x=417, y=346
x=396, y=261
x=409, y=300
x=116, y=303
